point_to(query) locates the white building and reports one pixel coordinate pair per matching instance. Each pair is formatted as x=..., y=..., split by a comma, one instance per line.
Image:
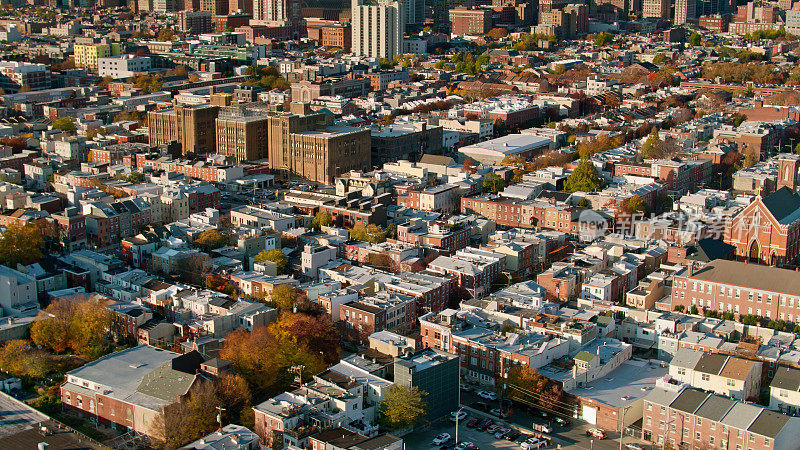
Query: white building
x=378, y=28
x=123, y=66
x=784, y=391
x=17, y=291
x=725, y=375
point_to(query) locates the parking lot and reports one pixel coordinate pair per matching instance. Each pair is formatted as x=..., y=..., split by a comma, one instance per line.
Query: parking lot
x=483, y=440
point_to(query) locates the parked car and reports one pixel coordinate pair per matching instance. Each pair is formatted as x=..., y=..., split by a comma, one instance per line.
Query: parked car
x=561, y=421
x=441, y=439
x=465, y=446
x=511, y=435
x=542, y=428
x=474, y=422
x=533, y=443
x=450, y=443
x=499, y=434
x=634, y=446
x=484, y=424
x=596, y=433
x=487, y=395
x=498, y=413
x=460, y=415
x=492, y=429
x=481, y=406
x=467, y=388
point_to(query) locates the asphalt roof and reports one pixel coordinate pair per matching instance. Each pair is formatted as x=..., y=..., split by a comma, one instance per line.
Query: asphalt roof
x=755, y=276
x=768, y=423
x=689, y=400
x=782, y=203
x=786, y=378
x=711, y=363
x=715, y=408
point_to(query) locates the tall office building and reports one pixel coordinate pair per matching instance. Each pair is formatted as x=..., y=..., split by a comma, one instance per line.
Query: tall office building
x=685, y=11
x=378, y=28
x=415, y=11
x=657, y=9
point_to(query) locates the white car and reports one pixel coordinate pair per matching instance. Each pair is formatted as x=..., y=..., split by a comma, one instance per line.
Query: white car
x=487, y=395
x=460, y=416
x=465, y=446
x=634, y=446
x=532, y=443
x=440, y=439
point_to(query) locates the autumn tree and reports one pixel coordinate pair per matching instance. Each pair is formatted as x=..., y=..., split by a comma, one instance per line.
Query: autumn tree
x=79, y=325
x=469, y=166
x=274, y=255
x=18, y=359
x=402, y=407
x=497, y=33
x=750, y=156
x=210, y=240
x=234, y=395
x=21, y=244
x=187, y=421
x=322, y=219
x=252, y=355
x=370, y=233
x=284, y=296
x=317, y=333
x=635, y=205
x=492, y=183
x=584, y=178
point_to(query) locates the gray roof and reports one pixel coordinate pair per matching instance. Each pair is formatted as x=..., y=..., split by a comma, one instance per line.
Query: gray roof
x=786, y=378
x=661, y=396
x=689, y=400
x=711, y=363
x=715, y=408
x=755, y=276
x=783, y=203
x=686, y=357
x=741, y=415
x=166, y=384
x=769, y=423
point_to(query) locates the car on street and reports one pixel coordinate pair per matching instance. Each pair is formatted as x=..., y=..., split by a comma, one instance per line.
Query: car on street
x=474, y=422
x=460, y=415
x=487, y=395
x=561, y=421
x=634, y=446
x=465, y=446
x=450, y=443
x=467, y=388
x=492, y=429
x=440, y=439
x=497, y=412
x=596, y=433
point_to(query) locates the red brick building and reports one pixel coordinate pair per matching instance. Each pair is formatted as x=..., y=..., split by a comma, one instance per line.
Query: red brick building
x=739, y=288
x=768, y=230
x=470, y=22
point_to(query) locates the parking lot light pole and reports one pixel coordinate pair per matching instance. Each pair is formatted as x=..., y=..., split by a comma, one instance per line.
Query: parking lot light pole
x=458, y=411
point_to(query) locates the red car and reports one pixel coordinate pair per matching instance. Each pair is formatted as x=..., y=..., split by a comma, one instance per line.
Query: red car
x=472, y=423
x=484, y=424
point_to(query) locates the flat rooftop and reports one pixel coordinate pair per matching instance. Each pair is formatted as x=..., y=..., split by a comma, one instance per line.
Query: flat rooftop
x=629, y=382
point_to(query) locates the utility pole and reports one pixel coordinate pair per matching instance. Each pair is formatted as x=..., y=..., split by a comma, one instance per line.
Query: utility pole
x=220, y=409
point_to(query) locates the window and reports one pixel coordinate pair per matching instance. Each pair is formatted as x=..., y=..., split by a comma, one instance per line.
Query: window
x=704, y=377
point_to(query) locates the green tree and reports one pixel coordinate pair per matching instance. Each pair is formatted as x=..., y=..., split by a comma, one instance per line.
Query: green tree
x=274, y=255
x=694, y=311
x=584, y=178
x=635, y=205
x=603, y=39
x=66, y=123
x=694, y=39
x=653, y=147
x=322, y=219
x=492, y=183
x=402, y=407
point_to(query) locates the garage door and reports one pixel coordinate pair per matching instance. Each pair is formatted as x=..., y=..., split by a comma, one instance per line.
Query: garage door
x=590, y=414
